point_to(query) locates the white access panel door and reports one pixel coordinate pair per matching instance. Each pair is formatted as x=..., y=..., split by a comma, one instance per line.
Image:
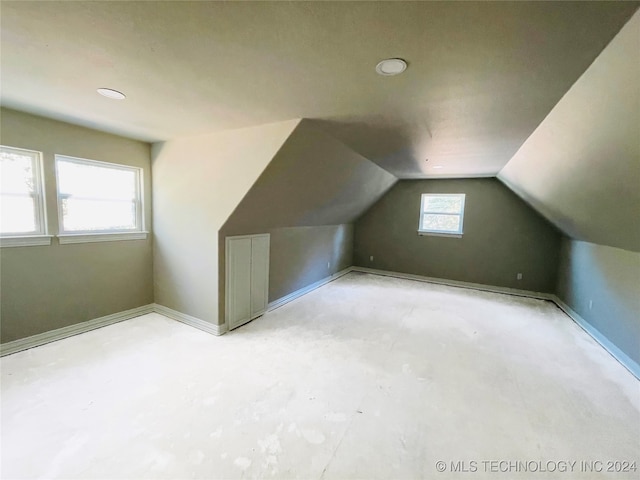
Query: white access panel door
x=238, y=281
x=259, y=275
x=247, y=278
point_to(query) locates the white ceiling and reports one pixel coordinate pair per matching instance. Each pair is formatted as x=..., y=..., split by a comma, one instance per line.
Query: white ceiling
x=481, y=76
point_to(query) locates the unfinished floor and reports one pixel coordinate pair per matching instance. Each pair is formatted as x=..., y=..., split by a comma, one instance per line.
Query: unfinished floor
x=366, y=377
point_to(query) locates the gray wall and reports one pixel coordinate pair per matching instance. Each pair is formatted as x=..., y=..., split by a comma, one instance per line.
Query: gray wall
x=581, y=167
x=313, y=180
x=306, y=198
x=49, y=287
x=301, y=256
x=610, y=278
x=502, y=236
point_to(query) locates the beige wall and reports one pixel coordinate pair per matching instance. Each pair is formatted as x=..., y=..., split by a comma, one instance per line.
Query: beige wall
x=197, y=183
x=49, y=287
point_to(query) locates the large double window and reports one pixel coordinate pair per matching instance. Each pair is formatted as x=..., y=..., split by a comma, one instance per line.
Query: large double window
x=97, y=201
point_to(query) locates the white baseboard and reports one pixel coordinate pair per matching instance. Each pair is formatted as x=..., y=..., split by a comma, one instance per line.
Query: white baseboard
x=614, y=351
x=60, y=333
x=64, y=332
x=456, y=283
x=189, y=320
x=222, y=329
x=594, y=333
x=309, y=288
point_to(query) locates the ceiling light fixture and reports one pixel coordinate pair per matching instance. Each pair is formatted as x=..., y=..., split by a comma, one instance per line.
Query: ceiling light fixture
x=110, y=93
x=437, y=166
x=391, y=66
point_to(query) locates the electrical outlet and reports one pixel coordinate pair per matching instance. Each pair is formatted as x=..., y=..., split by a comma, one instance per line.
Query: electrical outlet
x=371, y=258
x=590, y=304
x=328, y=265
x=519, y=276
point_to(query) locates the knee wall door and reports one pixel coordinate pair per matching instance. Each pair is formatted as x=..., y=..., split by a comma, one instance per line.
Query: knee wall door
x=247, y=278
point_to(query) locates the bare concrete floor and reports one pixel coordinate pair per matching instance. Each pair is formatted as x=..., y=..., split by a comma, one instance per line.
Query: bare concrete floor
x=366, y=377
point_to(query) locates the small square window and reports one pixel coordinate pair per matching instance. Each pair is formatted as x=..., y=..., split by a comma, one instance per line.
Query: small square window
x=97, y=197
x=442, y=213
x=22, y=211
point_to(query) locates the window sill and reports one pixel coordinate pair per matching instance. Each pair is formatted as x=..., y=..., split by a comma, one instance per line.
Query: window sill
x=68, y=238
x=436, y=234
x=26, y=241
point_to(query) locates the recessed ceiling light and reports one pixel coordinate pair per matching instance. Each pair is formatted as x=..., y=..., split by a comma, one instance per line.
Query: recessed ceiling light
x=437, y=166
x=110, y=93
x=391, y=66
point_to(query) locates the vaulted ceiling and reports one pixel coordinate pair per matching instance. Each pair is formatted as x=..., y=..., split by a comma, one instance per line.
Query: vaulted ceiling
x=314, y=180
x=481, y=76
x=581, y=167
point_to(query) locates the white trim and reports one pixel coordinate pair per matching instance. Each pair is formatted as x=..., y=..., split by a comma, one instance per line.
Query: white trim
x=26, y=241
x=434, y=234
x=64, y=332
x=422, y=230
x=139, y=194
x=39, y=195
x=66, y=238
x=614, y=351
x=594, y=333
x=238, y=237
x=189, y=320
x=456, y=283
x=445, y=176
x=303, y=291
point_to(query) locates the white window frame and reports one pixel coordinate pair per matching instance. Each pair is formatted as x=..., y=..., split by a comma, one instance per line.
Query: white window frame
x=441, y=233
x=82, y=236
x=38, y=237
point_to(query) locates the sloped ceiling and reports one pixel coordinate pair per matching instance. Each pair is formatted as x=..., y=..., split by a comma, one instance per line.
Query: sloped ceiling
x=313, y=180
x=481, y=76
x=581, y=167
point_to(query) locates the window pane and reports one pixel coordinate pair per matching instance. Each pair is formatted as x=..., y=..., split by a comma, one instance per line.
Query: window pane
x=17, y=172
x=94, y=181
x=442, y=204
x=20, y=193
x=97, y=196
x=441, y=223
x=87, y=215
x=17, y=214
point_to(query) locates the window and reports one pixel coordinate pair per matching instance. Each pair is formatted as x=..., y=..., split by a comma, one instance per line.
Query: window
x=98, y=201
x=22, y=213
x=442, y=214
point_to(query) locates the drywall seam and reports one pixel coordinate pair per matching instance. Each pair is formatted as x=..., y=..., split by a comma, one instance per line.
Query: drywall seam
x=71, y=330
x=604, y=342
x=191, y=321
x=304, y=290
